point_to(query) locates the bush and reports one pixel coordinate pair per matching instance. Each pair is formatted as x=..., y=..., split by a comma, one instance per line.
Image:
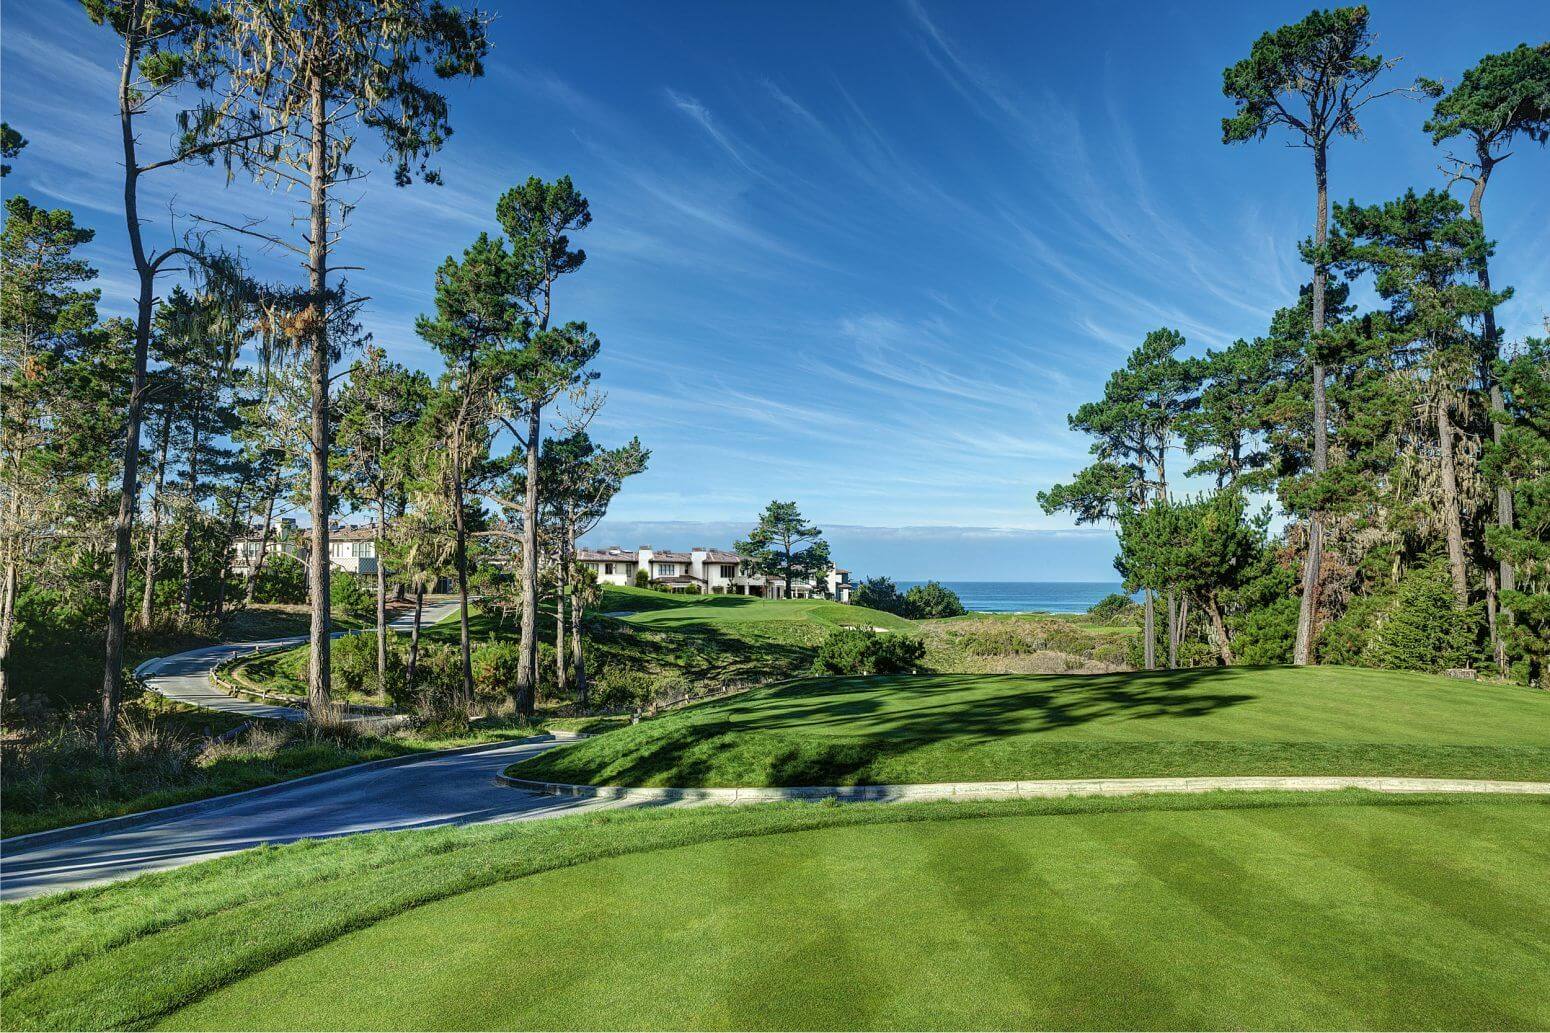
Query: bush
x=1422, y=631
x=1115, y=608
x=931, y=600
x=879, y=593
x=346, y=594
x=862, y=651
x=642, y=579
x=495, y=667
x=352, y=663
x=622, y=688
x=283, y=580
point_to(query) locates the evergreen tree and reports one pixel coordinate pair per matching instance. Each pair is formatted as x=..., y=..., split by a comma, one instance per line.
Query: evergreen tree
x=784, y=545
x=1133, y=427
x=381, y=403
x=477, y=328
x=46, y=319
x=1504, y=98
x=1520, y=459
x=11, y=145
x=294, y=80
x=1311, y=78
x=538, y=218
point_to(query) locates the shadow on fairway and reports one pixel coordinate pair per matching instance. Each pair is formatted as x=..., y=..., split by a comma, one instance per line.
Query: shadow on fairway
x=835, y=731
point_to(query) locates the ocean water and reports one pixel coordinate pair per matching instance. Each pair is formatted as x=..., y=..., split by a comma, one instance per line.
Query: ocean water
x=1020, y=596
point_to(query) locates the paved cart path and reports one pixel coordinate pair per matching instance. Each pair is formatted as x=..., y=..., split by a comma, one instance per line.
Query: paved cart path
x=450, y=788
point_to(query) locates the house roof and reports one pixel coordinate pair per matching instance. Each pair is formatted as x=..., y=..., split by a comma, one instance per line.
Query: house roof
x=606, y=555
x=670, y=557
x=722, y=556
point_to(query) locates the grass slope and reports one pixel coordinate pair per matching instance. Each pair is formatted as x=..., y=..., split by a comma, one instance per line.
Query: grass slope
x=940, y=728
x=1327, y=918
x=1269, y=910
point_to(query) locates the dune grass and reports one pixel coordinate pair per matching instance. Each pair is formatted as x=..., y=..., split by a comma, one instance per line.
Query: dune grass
x=1335, y=917
x=940, y=728
x=1429, y=911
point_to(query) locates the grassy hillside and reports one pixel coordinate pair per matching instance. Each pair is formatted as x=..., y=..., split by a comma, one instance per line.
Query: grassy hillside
x=707, y=641
x=938, y=728
x=1220, y=911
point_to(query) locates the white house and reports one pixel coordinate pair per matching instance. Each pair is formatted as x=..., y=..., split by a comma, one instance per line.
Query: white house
x=350, y=548
x=713, y=571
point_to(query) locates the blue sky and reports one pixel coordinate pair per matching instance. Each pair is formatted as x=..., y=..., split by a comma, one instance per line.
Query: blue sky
x=866, y=255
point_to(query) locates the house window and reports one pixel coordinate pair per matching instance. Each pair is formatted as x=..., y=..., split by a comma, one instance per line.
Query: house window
x=667, y=570
x=729, y=570
x=608, y=568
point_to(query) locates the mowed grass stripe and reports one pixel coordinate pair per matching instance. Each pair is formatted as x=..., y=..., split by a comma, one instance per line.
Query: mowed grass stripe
x=1205, y=919
x=78, y=960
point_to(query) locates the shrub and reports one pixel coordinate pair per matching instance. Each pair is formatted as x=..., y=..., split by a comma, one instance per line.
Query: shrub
x=1115, y=608
x=862, y=651
x=283, y=580
x=1422, y=630
x=347, y=595
x=642, y=579
x=879, y=593
x=622, y=688
x=495, y=668
x=931, y=600
x=352, y=662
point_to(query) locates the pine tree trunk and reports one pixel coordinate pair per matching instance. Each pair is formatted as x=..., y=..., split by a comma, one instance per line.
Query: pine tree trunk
x=1219, y=628
x=382, y=686
x=186, y=598
x=256, y=568
x=317, y=283
x=1149, y=631
x=1173, y=630
x=1505, y=577
x=148, y=597
x=1307, y=610
x=561, y=666
x=527, y=662
x=578, y=657
x=1450, y=507
x=410, y=669
x=466, y=665
x=231, y=536
x=7, y=616
x=129, y=484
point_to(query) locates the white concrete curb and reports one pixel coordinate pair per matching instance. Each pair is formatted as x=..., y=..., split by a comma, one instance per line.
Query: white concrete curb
x=1038, y=788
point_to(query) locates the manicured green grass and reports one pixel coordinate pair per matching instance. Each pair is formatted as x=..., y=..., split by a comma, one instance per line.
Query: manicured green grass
x=1224, y=910
x=1330, y=918
x=667, y=610
x=941, y=728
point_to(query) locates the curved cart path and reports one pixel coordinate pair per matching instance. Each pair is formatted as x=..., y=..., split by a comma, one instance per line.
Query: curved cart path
x=450, y=788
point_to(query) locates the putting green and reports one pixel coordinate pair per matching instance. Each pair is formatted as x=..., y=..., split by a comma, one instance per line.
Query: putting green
x=1433, y=915
x=942, y=728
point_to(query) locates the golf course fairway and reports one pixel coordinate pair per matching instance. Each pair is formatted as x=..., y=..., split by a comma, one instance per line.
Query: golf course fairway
x=898, y=729
x=1339, y=914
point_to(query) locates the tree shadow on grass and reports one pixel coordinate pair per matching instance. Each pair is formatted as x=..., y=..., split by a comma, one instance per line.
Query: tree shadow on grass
x=937, y=707
x=836, y=731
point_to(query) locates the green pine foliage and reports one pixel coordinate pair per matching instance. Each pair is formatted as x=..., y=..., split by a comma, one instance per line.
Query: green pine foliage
x=931, y=601
x=852, y=651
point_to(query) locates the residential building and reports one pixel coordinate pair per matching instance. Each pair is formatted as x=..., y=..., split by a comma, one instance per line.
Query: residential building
x=351, y=548
x=712, y=571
